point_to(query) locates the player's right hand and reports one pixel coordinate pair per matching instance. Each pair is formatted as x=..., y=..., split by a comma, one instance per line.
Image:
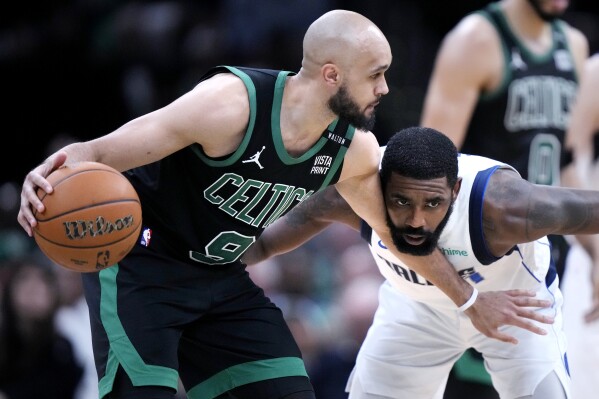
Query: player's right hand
x=494, y=309
x=37, y=179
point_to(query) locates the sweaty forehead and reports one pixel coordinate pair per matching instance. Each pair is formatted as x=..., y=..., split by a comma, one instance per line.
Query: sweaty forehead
x=407, y=186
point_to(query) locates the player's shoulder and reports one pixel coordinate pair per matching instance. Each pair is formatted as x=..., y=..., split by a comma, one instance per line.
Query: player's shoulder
x=475, y=39
x=592, y=65
x=575, y=36
x=475, y=30
x=593, y=62
x=224, y=91
x=225, y=109
x=591, y=71
x=363, y=155
x=471, y=163
x=578, y=44
x=222, y=81
x=365, y=143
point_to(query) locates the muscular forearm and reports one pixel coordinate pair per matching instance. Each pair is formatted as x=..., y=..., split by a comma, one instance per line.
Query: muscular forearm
x=284, y=235
x=78, y=152
x=436, y=269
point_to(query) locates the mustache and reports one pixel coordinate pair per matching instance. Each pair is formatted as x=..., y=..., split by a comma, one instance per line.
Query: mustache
x=413, y=231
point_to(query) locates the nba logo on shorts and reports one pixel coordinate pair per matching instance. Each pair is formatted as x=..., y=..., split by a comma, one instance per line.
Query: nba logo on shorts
x=146, y=236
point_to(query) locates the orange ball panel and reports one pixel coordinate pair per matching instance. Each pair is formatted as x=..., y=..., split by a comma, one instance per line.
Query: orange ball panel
x=86, y=260
x=84, y=188
x=94, y=226
x=92, y=218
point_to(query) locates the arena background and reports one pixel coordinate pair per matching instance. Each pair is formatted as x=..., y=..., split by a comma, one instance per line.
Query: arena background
x=82, y=68
x=75, y=70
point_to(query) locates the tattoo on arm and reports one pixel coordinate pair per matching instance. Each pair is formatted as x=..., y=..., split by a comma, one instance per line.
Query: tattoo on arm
x=537, y=210
x=564, y=211
x=323, y=206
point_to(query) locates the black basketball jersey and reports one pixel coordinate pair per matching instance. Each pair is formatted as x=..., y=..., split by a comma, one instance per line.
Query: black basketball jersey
x=209, y=210
x=524, y=121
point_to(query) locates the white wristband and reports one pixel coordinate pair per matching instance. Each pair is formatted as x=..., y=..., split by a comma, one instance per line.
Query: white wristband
x=470, y=301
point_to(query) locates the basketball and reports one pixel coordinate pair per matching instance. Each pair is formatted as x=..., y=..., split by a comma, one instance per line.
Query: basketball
x=92, y=218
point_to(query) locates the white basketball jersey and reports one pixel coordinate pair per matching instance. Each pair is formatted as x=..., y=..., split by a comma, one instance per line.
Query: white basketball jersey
x=527, y=266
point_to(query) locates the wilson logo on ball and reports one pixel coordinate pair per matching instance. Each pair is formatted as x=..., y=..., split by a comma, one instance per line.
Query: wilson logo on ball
x=79, y=229
x=92, y=218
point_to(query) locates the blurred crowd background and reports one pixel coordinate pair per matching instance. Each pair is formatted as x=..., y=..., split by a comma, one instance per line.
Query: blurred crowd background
x=77, y=69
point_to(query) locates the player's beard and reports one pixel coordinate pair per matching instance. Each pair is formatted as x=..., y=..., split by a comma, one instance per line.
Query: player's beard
x=545, y=16
x=346, y=108
x=431, y=237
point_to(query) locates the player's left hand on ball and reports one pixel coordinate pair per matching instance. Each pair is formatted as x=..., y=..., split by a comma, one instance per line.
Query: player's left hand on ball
x=29, y=198
x=514, y=307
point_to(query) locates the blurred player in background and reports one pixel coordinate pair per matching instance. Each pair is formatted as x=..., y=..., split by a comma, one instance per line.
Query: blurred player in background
x=503, y=86
x=581, y=306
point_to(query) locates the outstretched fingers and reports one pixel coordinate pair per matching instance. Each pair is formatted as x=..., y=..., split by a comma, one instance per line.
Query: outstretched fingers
x=513, y=307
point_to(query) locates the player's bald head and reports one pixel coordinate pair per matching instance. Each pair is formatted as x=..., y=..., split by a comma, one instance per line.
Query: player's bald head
x=339, y=36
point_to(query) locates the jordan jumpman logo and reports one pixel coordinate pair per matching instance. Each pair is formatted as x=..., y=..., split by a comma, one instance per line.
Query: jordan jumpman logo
x=517, y=62
x=254, y=158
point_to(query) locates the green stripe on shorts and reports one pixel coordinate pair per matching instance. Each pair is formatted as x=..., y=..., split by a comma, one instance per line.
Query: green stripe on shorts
x=122, y=350
x=247, y=373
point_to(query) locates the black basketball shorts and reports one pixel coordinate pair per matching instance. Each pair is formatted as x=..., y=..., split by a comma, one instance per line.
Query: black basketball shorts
x=161, y=319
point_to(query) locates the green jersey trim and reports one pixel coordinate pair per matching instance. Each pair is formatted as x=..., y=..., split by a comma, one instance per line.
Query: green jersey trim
x=349, y=134
x=248, y=133
x=276, y=127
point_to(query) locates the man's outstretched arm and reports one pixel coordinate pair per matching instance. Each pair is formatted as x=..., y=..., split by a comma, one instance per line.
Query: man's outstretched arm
x=490, y=311
x=517, y=211
x=302, y=223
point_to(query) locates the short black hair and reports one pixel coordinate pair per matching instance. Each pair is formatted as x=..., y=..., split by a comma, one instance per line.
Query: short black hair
x=420, y=153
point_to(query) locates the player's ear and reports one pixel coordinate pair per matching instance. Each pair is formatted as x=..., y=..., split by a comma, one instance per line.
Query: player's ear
x=330, y=74
x=456, y=188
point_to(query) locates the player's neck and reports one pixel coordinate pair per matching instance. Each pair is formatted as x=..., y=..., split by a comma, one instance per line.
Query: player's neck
x=304, y=114
x=530, y=28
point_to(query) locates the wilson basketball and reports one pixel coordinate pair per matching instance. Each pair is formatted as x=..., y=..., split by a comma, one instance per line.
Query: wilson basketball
x=92, y=218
